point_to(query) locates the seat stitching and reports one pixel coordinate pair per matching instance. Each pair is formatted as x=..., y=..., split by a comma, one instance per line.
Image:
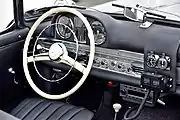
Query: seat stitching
x=66, y=112
x=43, y=109
x=55, y=111
x=22, y=107
x=29, y=110
x=77, y=113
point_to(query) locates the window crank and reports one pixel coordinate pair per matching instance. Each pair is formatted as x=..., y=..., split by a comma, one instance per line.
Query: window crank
x=12, y=72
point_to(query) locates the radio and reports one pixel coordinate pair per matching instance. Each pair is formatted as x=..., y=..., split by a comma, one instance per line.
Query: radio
x=136, y=95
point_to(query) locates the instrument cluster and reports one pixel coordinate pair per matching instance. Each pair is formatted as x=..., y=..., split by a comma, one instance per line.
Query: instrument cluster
x=66, y=22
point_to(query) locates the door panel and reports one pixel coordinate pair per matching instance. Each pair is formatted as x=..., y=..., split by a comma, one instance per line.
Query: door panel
x=11, y=46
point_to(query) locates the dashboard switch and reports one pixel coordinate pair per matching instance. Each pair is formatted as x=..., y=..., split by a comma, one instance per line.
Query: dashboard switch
x=104, y=63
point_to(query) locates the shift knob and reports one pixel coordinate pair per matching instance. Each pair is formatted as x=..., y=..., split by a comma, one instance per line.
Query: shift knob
x=117, y=107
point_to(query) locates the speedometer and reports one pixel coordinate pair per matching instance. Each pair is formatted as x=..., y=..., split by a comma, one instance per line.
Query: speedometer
x=64, y=24
x=99, y=32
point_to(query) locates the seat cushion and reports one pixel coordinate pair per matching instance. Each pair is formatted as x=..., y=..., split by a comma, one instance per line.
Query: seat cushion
x=41, y=109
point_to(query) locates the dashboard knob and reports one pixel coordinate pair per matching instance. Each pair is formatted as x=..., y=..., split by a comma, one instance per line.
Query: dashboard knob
x=120, y=66
x=162, y=63
x=113, y=63
x=104, y=62
x=151, y=60
x=97, y=61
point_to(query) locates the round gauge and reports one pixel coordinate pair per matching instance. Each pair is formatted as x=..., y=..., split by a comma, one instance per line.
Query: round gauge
x=99, y=32
x=64, y=26
x=151, y=60
x=162, y=63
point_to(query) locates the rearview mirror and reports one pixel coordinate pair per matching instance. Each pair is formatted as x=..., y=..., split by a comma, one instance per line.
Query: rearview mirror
x=134, y=14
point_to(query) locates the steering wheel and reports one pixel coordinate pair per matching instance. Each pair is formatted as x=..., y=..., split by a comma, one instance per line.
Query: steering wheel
x=58, y=51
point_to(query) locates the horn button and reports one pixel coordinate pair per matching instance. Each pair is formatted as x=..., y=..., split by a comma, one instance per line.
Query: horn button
x=56, y=51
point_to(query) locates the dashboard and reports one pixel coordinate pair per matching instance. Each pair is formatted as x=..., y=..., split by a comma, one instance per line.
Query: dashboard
x=124, y=52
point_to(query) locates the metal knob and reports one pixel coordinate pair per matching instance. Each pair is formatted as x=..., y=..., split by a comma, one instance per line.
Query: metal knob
x=10, y=70
x=113, y=63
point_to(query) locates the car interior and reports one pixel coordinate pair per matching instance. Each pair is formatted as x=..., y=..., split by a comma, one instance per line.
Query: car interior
x=75, y=63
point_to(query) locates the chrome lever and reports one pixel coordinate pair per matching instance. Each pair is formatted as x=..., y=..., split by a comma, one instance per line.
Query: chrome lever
x=12, y=72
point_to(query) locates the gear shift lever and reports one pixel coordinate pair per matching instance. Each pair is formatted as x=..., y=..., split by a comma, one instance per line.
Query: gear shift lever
x=116, y=107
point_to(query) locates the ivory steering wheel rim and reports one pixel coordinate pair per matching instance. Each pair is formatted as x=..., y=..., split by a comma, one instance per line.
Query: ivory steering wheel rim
x=85, y=71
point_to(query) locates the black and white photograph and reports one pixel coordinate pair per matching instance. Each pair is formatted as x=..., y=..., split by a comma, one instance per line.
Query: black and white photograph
x=89, y=60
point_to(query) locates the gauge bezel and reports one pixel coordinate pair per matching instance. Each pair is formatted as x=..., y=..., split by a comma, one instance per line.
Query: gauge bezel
x=57, y=29
x=104, y=31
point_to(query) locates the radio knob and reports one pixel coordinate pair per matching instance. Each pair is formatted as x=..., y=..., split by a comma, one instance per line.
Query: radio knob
x=104, y=62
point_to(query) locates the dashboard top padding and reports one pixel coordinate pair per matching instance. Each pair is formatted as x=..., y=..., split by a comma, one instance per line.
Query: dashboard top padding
x=128, y=35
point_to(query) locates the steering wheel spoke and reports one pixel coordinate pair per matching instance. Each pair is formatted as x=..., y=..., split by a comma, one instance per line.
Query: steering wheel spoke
x=71, y=62
x=38, y=57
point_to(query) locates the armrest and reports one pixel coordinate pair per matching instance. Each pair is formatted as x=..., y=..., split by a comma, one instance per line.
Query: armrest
x=6, y=116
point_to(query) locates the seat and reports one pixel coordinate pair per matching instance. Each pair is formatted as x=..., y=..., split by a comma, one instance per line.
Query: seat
x=42, y=109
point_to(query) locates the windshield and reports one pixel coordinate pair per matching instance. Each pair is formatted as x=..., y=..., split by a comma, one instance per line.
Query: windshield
x=168, y=8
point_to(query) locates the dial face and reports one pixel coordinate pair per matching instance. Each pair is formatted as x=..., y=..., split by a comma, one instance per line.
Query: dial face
x=151, y=61
x=162, y=63
x=99, y=32
x=64, y=26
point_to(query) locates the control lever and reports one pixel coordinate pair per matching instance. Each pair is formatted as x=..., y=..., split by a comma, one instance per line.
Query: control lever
x=40, y=47
x=161, y=102
x=116, y=107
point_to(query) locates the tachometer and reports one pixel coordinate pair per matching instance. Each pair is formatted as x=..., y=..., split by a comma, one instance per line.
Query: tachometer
x=99, y=32
x=62, y=29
